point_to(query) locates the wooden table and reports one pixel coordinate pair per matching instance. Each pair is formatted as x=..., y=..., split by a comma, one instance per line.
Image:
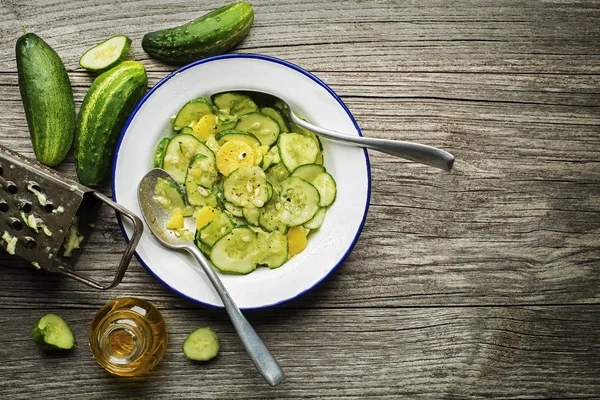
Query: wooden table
x=480, y=283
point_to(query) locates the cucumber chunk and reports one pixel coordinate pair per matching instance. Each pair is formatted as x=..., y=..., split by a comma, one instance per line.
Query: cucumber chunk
x=232, y=105
x=51, y=332
x=106, y=55
x=246, y=187
x=191, y=112
x=266, y=129
x=181, y=149
x=201, y=345
x=296, y=150
x=234, y=252
x=159, y=154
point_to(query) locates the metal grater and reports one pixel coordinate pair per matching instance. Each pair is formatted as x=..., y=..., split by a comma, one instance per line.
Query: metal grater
x=35, y=198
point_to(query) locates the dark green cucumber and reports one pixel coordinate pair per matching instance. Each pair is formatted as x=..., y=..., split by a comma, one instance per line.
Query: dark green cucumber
x=103, y=114
x=47, y=98
x=212, y=34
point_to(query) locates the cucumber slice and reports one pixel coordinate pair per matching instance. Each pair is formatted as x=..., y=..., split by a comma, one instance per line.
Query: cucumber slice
x=200, y=178
x=276, y=174
x=277, y=115
x=251, y=215
x=271, y=248
x=234, y=252
x=234, y=104
x=246, y=187
x=201, y=345
x=317, y=220
x=216, y=229
x=224, y=125
x=298, y=201
x=232, y=134
x=106, y=55
x=322, y=180
x=233, y=209
x=181, y=149
x=168, y=195
x=266, y=129
x=296, y=149
x=51, y=332
x=159, y=154
x=191, y=112
x=269, y=218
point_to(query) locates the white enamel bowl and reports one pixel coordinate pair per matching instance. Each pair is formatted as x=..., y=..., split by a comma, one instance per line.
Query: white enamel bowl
x=309, y=97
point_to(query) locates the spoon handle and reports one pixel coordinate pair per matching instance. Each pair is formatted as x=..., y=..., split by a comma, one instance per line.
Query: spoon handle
x=260, y=355
x=420, y=153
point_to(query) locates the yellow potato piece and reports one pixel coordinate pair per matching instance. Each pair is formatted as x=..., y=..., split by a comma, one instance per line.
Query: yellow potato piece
x=297, y=240
x=176, y=220
x=234, y=154
x=206, y=215
x=206, y=125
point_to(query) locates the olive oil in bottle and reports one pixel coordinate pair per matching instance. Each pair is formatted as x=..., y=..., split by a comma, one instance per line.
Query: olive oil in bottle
x=128, y=336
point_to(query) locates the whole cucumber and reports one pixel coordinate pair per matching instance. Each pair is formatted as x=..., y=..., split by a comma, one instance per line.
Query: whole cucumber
x=209, y=35
x=47, y=99
x=104, y=111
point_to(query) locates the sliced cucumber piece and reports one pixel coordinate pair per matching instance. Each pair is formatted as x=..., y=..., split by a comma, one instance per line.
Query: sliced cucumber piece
x=168, y=195
x=106, y=55
x=232, y=134
x=159, y=154
x=224, y=125
x=234, y=252
x=199, y=181
x=216, y=229
x=277, y=115
x=234, y=104
x=276, y=174
x=269, y=218
x=246, y=187
x=251, y=215
x=191, y=112
x=51, y=332
x=233, y=209
x=201, y=345
x=271, y=248
x=266, y=129
x=308, y=172
x=296, y=150
x=317, y=220
x=298, y=200
x=322, y=180
x=181, y=149
x=327, y=188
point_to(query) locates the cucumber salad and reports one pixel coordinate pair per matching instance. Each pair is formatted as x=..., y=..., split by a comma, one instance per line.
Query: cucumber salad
x=254, y=181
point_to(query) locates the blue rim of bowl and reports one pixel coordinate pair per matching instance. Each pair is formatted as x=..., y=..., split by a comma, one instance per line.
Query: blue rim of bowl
x=276, y=61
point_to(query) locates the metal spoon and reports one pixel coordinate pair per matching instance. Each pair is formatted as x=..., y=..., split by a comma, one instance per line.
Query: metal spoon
x=420, y=153
x=156, y=218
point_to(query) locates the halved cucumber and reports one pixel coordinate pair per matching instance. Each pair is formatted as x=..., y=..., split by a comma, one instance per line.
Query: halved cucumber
x=234, y=104
x=216, y=229
x=191, y=112
x=234, y=252
x=271, y=248
x=159, y=154
x=246, y=187
x=277, y=115
x=199, y=181
x=296, y=149
x=299, y=201
x=181, y=149
x=266, y=129
x=322, y=180
x=106, y=55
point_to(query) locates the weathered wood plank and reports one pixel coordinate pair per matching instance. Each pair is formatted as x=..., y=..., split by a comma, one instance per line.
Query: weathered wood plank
x=465, y=353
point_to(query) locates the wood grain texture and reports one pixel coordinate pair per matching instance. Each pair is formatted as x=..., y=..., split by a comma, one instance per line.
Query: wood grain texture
x=482, y=283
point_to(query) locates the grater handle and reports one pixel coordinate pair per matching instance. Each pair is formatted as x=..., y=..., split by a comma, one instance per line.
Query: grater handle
x=138, y=228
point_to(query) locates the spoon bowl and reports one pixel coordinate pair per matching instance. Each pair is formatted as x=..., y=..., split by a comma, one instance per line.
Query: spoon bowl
x=156, y=218
x=416, y=152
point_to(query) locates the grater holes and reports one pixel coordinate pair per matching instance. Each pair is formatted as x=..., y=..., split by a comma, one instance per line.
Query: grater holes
x=49, y=207
x=29, y=243
x=1, y=170
x=35, y=186
x=26, y=206
x=3, y=206
x=12, y=188
x=15, y=224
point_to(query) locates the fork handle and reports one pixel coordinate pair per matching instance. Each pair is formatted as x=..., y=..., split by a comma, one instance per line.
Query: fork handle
x=417, y=152
x=260, y=355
